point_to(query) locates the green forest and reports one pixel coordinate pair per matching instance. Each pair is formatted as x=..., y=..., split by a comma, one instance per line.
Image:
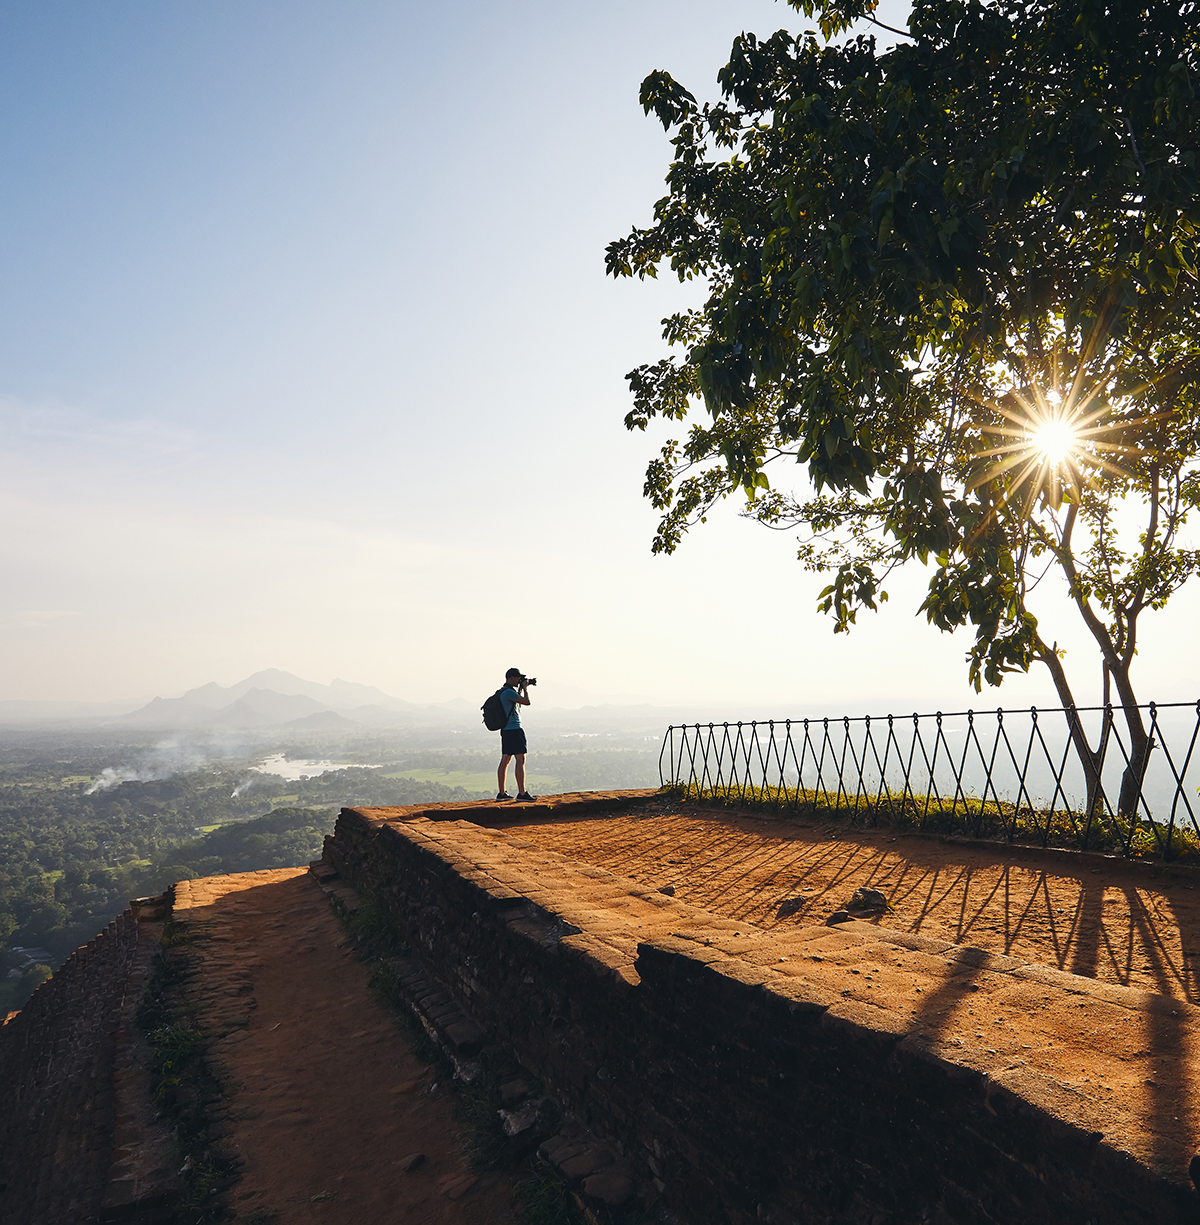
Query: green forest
x=79, y=837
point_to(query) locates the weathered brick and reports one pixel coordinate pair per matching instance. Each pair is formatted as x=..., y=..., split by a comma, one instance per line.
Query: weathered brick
x=753, y=1084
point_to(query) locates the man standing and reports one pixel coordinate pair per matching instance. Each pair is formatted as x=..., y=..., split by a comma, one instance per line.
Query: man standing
x=512, y=736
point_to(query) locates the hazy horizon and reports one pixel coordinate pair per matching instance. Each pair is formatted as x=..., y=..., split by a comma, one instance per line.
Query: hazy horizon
x=552, y=697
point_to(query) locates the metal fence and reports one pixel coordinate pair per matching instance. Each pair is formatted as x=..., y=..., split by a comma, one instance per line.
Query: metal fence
x=996, y=773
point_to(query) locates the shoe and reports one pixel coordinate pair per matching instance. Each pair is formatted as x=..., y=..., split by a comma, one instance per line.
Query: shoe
x=504, y=796
x=524, y=795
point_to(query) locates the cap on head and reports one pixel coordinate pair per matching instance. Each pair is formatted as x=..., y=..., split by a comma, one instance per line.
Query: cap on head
x=512, y=672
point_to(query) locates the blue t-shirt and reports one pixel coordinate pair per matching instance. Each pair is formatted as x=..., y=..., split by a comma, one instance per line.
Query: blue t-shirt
x=508, y=698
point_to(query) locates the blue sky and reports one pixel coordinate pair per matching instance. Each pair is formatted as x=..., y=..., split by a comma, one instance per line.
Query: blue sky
x=308, y=360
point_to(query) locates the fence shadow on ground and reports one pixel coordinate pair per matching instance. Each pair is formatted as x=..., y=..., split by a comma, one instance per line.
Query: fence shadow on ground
x=1113, y=921
x=1102, y=923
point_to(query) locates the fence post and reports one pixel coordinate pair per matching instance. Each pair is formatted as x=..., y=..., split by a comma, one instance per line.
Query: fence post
x=1010, y=778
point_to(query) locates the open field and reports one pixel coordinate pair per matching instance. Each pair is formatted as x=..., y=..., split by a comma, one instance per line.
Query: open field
x=480, y=781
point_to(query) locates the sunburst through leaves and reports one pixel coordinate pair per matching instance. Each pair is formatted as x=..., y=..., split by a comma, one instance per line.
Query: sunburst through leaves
x=1055, y=440
x=1046, y=446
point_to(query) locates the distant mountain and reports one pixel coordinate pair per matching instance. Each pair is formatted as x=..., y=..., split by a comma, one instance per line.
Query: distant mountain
x=276, y=699
x=238, y=714
x=166, y=713
x=339, y=695
x=276, y=707
x=273, y=699
x=374, y=715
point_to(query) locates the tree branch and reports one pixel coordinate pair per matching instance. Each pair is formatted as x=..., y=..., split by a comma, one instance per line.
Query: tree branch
x=1067, y=560
x=883, y=25
x=1133, y=141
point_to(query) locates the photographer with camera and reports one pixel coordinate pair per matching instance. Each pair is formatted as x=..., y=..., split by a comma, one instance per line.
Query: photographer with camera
x=512, y=736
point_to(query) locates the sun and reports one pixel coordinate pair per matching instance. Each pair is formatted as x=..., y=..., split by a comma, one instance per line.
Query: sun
x=1047, y=446
x=1055, y=441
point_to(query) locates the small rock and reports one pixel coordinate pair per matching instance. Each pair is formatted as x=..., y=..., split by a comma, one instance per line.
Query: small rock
x=590, y=1162
x=669, y=890
x=531, y=1122
x=611, y=1187
x=838, y=916
x=868, y=899
x=466, y=1037
x=790, y=905
x=517, y=1121
x=412, y=1161
x=558, y=1149
x=514, y=1091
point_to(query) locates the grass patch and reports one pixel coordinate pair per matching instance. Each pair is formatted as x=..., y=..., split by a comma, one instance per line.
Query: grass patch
x=543, y=1199
x=966, y=816
x=379, y=941
x=183, y=1083
x=372, y=927
x=176, y=1049
x=478, y=1107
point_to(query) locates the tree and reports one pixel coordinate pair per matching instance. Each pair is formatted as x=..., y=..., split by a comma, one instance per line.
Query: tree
x=956, y=282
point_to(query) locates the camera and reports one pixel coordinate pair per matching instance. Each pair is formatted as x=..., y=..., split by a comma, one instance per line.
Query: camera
x=529, y=680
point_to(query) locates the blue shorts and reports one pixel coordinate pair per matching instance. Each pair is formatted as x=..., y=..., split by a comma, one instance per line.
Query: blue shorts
x=512, y=742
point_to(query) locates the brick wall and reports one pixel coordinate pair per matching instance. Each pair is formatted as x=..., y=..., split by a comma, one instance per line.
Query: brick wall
x=56, y=1092
x=735, y=1099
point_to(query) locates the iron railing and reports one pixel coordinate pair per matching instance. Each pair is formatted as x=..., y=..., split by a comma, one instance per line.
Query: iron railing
x=996, y=773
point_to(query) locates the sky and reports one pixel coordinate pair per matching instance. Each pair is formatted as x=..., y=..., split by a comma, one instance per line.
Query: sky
x=308, y=361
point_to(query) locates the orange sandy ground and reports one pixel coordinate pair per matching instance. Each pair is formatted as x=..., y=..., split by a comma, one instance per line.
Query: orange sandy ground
x=1124, y=1064
x=326, y=1096
x=328, y=1100
x=1110, y=922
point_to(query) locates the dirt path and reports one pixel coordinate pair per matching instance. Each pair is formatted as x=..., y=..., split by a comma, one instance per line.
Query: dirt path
x=327, y=1102
x=1112, y=923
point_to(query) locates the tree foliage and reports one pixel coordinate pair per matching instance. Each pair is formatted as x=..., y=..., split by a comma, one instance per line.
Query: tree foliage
x=921, y=263
x=72, y=854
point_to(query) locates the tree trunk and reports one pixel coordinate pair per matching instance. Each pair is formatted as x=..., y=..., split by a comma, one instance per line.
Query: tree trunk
x=1092, y=760
x=1134, y=774
x=1137, y=751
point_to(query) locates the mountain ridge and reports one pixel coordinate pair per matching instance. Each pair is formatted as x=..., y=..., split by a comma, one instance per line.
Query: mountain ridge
x=337, y=694
x=272, y=699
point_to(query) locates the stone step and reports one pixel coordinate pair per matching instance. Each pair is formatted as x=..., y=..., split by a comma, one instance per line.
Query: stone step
x=457, y=1031
x=590, y=1166
x=324, y=872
